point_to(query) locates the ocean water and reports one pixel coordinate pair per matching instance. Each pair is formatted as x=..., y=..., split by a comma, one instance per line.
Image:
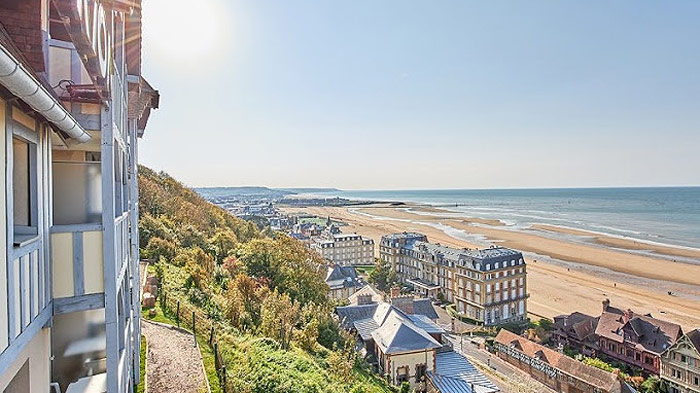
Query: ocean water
x=666, y=215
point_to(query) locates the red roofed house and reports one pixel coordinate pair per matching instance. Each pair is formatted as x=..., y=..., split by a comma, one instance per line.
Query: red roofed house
x=636, y=340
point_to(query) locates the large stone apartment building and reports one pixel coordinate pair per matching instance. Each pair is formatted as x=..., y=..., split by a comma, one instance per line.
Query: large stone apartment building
x=73, y=105
x=487, y=285
x=345, y=249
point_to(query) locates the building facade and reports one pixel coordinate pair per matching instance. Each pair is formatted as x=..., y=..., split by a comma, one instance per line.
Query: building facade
x=73, y=104
x=680, y=364
x=342, y=282
x=345, y=249
x=487, y=285
x=556, y=370
x=636, y=340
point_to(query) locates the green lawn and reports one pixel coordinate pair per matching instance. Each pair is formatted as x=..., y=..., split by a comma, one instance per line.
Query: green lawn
x=141, y=387
x=364, y=269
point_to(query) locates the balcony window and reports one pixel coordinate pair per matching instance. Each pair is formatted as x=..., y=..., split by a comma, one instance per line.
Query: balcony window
x=24, y=185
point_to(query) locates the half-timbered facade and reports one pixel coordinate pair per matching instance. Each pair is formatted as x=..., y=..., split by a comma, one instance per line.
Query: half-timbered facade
x=73, y=104
x=680, y=364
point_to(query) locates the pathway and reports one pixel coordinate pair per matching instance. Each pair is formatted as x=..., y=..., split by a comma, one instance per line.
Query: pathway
x=174, y=364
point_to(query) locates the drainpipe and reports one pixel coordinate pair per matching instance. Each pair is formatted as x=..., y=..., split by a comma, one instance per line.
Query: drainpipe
x=15, y=77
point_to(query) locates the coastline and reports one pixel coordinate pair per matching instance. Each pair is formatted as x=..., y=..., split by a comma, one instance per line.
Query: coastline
x=567, y=276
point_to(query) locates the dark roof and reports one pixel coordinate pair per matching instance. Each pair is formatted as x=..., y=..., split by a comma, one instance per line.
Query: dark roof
x=576, y=325
x=424, y=307
x=694, y=337
x=588, y=374
x=399, y=334
x=349, y=314
x=653, y=335
x=342, y=277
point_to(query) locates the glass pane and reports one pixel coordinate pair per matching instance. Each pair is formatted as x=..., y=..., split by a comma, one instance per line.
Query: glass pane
x=20, y=182
x=77, y=182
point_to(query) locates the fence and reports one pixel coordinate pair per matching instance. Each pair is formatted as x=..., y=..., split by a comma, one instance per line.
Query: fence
x=189, y=317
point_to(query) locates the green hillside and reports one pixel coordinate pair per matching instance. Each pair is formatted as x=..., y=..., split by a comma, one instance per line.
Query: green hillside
x=263, y=292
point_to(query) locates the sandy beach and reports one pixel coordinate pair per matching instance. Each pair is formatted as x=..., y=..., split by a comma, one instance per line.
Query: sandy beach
x=563, y=276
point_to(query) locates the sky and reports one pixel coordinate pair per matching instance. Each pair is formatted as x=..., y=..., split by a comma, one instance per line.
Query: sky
x=403, y=94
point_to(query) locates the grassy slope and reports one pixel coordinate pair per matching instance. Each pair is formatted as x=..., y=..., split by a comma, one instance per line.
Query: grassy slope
x=254, y=364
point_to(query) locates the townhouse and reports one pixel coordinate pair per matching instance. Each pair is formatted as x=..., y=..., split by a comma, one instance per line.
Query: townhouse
x=680, y=364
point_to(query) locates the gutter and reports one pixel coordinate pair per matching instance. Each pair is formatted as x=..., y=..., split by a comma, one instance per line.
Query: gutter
x=15, y=77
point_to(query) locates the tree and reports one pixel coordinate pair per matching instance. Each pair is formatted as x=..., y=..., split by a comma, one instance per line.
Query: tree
x=244, y=300
x=651, y=385
x=342, y=361
x=383, y=276
x=232, y=266
x=223, y=242
x=158, y=248
x=279, y=316
x=199, y=265
x=290, y=266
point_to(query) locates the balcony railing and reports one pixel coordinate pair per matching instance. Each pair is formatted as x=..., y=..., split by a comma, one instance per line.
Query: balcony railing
x=77, y=260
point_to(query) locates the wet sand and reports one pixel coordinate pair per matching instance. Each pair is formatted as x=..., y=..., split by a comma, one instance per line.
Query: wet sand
x=579, y=277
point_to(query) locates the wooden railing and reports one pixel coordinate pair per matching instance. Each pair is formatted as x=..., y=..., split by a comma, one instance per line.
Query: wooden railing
x=77, y=259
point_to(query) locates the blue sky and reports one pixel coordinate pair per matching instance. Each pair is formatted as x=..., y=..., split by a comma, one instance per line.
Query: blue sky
x=369, y=94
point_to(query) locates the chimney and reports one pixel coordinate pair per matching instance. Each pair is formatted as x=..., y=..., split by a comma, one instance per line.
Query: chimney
x=628, y=315
x=606, y=304
x=403, y=303
x=364, y=299
x=394, y=292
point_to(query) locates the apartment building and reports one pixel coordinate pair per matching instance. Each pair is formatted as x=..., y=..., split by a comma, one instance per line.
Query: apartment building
x=73, y=104
x=680, y=364
x=487, y=285
x=345, y=249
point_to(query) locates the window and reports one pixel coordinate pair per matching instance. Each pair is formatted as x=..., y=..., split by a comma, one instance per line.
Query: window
x=24, y=184
x=402, y=374
x=420, y=371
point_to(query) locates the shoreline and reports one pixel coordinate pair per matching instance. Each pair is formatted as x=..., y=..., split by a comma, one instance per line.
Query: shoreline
x=589, y=273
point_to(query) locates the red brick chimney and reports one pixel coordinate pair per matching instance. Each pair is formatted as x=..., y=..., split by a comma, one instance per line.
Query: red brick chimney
x=628, y=315
x=394, y=292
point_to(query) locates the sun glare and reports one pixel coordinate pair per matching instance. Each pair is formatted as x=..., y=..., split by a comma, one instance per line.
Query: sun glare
x=185, y=31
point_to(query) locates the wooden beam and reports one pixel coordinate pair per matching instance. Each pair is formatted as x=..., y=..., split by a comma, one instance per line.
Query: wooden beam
x=10, y=354
x=90, y=301
x=78, y=263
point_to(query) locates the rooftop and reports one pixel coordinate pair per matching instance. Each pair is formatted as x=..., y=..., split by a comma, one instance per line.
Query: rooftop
x=456, y=374
x=591, y=375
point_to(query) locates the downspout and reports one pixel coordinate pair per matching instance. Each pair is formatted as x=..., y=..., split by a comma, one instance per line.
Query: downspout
x=15, y=77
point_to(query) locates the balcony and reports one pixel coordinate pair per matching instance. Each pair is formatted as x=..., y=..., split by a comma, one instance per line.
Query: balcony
x=78, y=264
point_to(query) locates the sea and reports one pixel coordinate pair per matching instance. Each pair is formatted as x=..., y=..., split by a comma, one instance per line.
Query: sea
x=656, y=215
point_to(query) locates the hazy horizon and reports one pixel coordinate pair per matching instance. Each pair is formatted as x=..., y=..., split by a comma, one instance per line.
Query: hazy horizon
x=443, y=189
x=415, y=95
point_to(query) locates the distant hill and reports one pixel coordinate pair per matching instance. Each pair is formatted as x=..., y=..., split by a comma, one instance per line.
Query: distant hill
x=308, y=190
x=246, y=191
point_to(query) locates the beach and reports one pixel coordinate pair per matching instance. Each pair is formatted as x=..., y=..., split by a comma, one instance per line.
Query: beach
x=568, y=270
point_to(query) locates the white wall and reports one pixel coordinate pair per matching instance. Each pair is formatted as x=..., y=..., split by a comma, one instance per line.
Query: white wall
x=38, y=351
